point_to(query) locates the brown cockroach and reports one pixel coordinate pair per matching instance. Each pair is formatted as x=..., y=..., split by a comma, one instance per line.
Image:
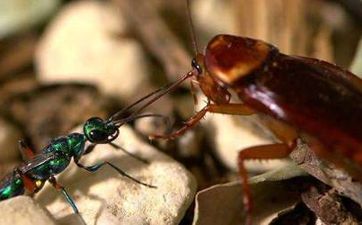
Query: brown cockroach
x=298, y=96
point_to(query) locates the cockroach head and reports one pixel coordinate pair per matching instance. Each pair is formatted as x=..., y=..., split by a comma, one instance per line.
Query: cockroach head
x=230, y=58
x=197, y=64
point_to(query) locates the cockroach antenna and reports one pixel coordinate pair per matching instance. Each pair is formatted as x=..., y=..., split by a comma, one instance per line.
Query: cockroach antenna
x=192, y=28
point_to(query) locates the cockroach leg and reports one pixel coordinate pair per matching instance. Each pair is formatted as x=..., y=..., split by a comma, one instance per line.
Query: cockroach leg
x=231, y=108
x=285, y=133
x=234, y=109
x=271, y=151
x=191, y=122
x=26, y=152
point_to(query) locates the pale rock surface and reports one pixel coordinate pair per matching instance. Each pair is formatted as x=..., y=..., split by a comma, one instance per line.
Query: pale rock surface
x=24, y=210
x=21, y=14
x=106, y=198
x=211, y=25
x=232, y=133
x=222, y=204
x=356, y=66
x=87, y=42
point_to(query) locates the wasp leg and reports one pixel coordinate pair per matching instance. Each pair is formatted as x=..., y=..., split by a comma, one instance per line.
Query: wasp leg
x=69, y=199
x=97, y=166
x=89, y=149
x=129, y=153
x=26, y=152
x=30, y=184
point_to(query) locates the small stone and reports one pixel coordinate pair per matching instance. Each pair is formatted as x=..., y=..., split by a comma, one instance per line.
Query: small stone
x=356, y=66
x=20, y=14
x=52, y=110
x=87, y=42
x=222, y=204
x=211, y=25
x=231, y=134
x=152, y=125
x=105, y=197
x=190, y=144
x=24, y=210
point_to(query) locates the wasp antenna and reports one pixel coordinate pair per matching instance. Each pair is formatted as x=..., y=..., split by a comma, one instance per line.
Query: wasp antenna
x=118, y=119
x=192, y=28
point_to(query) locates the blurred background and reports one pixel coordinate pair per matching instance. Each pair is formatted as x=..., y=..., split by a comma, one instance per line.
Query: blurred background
x=62, y=62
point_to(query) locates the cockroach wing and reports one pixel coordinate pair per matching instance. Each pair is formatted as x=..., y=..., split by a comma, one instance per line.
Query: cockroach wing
x=314, y=96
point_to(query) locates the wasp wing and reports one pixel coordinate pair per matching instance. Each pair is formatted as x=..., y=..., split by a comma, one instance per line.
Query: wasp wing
x=36, y=161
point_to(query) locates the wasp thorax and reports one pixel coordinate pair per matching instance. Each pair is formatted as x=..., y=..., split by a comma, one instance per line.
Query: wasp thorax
x=97, y=130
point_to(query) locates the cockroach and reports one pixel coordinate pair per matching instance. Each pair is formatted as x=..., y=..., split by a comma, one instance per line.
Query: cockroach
x=299, y=97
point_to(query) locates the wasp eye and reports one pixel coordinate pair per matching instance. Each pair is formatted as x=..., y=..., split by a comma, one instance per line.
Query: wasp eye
x=97, y=136
x=196, y=66
x=97, y=130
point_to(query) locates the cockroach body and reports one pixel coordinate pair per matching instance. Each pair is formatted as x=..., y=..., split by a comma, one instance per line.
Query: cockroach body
x=298, y=97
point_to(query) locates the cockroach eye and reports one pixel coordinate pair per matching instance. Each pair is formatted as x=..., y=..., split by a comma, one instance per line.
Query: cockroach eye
x=196, y=66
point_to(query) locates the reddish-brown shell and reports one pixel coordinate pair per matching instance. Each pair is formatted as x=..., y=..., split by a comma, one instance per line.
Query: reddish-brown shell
x=230, y=57
x=315, y=97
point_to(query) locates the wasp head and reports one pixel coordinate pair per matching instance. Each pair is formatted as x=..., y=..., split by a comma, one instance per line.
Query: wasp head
x=100, y=131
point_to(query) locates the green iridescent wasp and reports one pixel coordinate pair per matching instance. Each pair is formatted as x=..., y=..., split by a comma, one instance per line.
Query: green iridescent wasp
x=31, y=175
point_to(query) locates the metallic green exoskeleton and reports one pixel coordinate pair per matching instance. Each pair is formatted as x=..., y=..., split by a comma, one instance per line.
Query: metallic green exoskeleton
x=54, y=158
x=10, y=186
x=31, y=175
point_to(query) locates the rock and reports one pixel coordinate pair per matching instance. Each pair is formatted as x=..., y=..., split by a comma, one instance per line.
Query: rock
x=222, y=204
x=9, y=136
x=87, y=42
x=225, y=22
x=105, y=197
x=24, y=210
x=356, y=66
x=19, y=15
x=8, y=167
x=231, y=134
x=52, y=110
x=190, y=143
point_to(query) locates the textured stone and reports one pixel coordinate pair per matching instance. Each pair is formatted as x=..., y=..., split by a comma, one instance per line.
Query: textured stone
x=105, y=197
x=231, y=134
x=20, y=14
x=24, y=210
x=87, y=42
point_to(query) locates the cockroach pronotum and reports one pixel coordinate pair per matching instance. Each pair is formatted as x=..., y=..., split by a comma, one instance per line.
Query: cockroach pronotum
x=299, y=97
